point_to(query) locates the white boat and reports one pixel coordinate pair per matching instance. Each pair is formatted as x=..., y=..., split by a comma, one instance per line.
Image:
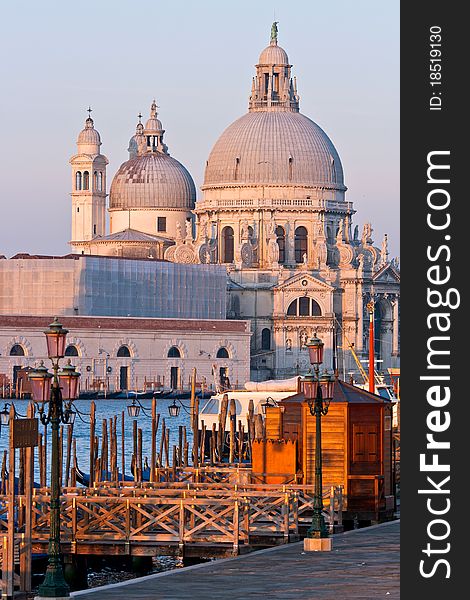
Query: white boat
x=386, y=391
x=274, y=390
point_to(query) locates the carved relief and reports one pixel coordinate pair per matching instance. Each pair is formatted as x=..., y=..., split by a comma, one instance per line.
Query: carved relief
x=184, y=254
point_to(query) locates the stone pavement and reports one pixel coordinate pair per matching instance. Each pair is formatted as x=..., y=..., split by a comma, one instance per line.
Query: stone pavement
x=364, y=564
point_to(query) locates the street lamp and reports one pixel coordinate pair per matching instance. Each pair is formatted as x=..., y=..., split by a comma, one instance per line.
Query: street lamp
x=53, y=390
x=133, y=410
x=5, y=415
x=318, y=390
x=270, y=403
x=174, y=409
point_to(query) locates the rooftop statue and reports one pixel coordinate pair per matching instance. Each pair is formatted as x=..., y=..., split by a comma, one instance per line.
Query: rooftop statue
x=274, y=31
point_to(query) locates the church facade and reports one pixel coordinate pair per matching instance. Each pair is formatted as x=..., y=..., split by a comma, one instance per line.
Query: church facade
x=273, y=211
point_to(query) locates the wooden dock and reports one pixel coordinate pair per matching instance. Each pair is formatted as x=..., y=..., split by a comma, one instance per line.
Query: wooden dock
x=191, y=519
x=363, y=565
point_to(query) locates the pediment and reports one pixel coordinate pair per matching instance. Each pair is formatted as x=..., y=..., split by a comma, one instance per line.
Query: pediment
x=304, y=282
x=387, y=274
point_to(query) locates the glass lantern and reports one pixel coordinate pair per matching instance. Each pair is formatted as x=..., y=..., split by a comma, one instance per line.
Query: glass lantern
x=270, y=403
x=315, y=350
x=133, y=410
x=310, y=386
x=5, y=415
x=174, y=409
x=68, y=381
x=40, y=379
x=69, y=415
x=55, y=338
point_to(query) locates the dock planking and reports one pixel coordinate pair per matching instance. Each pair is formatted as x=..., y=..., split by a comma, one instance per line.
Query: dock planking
x=364, y=565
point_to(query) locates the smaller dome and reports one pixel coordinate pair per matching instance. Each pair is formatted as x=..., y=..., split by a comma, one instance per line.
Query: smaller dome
x=153, y=124
x=273, y=55
x=89, y=135
x=153, y=180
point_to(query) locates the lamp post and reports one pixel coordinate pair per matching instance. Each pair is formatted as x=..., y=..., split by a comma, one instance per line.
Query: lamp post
x=318, y=389
x=269, y=403
x=54, y=389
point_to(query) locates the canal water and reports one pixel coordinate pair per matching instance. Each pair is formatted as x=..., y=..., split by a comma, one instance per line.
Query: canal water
x=106, y=409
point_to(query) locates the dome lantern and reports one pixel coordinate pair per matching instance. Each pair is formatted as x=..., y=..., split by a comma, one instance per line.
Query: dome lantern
x=89, y=141
x=272, y=87
x=153, y=132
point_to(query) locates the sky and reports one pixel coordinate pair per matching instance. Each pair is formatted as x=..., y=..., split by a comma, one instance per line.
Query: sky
x=197, y=59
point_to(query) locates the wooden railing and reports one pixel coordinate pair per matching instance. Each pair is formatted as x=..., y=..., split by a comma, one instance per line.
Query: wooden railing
x=178, y=513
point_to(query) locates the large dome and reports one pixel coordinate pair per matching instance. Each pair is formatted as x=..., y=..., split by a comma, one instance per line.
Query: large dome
x=271, y=148
x=153, y=180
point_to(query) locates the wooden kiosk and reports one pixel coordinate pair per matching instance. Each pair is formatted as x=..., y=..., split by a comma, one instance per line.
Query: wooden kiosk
x=356, y=449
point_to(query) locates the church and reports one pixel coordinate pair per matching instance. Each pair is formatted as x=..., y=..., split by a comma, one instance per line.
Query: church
x=273, y=213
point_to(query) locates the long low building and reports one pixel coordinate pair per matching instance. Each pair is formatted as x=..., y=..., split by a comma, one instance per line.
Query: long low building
x=76, y=284
x=125, y=353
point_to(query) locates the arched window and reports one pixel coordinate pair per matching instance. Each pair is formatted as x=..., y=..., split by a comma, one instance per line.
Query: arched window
x=100, y=181
x=227, y=245
x=292, y=310
x=174, y=352
x=266, y=339
x=300, y=244
x=86, y=180
x=123, y=352
x=78, y=180
x=304, y=307
x=95, y=180
x=222, y=353
x=281, y=242
x=17, y=350
x=71, y=350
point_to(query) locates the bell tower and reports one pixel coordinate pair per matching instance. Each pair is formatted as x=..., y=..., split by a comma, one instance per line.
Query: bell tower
x=88, y=186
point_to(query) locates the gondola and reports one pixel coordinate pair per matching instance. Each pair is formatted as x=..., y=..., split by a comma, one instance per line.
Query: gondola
x=84, y=478
x=88, y=395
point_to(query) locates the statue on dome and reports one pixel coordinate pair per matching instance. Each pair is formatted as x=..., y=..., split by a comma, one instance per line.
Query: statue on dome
x=274, y=31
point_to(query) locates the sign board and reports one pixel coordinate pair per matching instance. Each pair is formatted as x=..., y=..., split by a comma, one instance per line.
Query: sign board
x=24, y=433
